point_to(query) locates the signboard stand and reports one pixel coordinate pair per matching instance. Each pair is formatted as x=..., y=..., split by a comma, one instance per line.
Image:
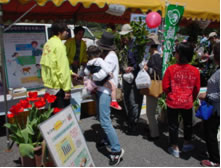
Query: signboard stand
x=65, y=140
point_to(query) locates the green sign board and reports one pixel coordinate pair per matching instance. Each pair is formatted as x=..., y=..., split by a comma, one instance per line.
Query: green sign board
x=173, y=15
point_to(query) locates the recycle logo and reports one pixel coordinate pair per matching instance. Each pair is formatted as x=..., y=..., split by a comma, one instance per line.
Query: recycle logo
x=174, y=16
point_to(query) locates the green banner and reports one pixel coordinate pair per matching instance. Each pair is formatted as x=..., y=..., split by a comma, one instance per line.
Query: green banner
x=173, y=15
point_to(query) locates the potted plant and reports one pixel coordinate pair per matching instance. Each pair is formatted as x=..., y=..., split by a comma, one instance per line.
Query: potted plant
x=24, y=118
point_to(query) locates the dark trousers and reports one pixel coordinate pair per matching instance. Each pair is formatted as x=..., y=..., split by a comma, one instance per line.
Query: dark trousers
x=174, y=125
x=133, y=101
x=211, y=129
x=60, y=102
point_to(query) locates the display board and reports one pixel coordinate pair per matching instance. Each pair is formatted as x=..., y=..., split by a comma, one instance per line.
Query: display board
x=23, y=49
x=65, y=140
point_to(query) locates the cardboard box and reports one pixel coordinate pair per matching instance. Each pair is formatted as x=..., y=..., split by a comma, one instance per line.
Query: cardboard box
x=88, y=108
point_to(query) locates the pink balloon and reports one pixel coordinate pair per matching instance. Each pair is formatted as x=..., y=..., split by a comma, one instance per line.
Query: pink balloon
x=153, y=19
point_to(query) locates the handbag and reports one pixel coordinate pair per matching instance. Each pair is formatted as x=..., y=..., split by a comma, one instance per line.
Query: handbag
x=204, y=111
x=156, y=88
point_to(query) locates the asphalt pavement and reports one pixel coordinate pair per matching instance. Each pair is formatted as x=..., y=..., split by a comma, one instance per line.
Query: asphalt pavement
x=139, y=150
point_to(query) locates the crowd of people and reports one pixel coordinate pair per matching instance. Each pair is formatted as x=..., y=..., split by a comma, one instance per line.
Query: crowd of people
x=181, y=84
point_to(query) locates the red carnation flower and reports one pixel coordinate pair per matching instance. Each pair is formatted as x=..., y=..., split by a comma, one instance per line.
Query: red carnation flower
x=33, y=96
x=56, y=110
x=40, y=103
x=10, y=115
x=25, y=103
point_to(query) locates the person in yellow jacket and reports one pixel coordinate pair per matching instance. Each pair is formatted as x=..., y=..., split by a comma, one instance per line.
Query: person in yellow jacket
x=76, y=49
x=55, y=70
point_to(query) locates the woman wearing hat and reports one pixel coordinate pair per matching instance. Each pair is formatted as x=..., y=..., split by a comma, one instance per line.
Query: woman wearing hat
x=154, y=65
x=103, y=99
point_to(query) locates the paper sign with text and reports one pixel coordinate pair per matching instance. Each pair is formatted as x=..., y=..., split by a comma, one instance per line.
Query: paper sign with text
x=23, y=49
x=65, y=140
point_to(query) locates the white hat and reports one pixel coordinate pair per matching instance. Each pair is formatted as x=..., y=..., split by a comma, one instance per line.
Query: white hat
x=212, y=34
x=154, y=38
x=125, y=29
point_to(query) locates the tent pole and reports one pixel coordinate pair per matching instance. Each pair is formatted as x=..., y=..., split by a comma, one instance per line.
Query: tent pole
x=17, y=20
x=4, y=75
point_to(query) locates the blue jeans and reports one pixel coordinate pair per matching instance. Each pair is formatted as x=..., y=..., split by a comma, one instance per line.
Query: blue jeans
x=103, y=108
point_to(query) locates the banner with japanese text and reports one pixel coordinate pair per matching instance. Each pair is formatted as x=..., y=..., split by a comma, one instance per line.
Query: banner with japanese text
x=174, y=14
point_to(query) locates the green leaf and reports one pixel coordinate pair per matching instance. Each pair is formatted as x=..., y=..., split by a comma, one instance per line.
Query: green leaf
x=24, y=134
x=11, y=126
x=26, y=150
x=16, y=138
x=30, y=130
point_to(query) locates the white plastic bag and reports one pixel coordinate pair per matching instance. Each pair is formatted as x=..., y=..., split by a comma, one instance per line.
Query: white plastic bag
x=86, y=94
x=143, y=79
x=129, y=77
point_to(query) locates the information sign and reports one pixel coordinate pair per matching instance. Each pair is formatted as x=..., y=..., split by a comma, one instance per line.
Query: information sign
x=65, y=140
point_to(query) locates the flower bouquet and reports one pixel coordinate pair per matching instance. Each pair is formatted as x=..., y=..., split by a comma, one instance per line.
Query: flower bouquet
x=24, y=118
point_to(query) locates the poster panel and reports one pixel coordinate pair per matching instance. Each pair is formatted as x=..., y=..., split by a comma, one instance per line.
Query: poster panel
x=65, y=140
x=23, y=49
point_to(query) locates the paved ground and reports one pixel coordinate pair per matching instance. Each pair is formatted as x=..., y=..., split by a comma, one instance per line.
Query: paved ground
x=139, y=151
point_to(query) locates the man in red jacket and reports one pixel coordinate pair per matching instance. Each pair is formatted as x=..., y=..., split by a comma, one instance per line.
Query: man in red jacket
x=181, y=83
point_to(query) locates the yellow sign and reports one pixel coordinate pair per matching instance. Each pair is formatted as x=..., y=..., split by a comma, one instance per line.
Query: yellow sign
x=65, y=148
x=30, y=79
x=57, y=125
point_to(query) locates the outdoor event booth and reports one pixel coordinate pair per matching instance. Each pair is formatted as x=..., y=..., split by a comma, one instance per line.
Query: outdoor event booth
x=109, y=11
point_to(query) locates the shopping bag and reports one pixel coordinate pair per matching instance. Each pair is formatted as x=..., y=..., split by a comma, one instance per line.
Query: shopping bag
x=156, y=88
x=204, y=111
x=128, y=77
x=143, y=79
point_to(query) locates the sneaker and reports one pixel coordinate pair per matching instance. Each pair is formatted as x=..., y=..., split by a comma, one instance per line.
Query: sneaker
x=187, y=148
x=207, y=163
x=115, y=105
x=174, y=152
x=115, y=158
